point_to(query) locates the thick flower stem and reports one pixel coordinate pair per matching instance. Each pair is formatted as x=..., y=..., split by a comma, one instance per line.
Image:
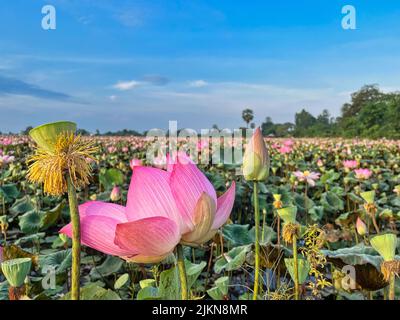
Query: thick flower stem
x=257, y=241
x=182, y=272
x=76, y=239
x=296, y=269
x=392, y=286
x=278, y=280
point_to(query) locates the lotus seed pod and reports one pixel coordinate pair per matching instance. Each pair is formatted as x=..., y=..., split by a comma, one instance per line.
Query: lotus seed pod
x=46, y=135
x=368, y=196
x=385, y=245
x=16, y=270
x=303, y=268
x=288, y=215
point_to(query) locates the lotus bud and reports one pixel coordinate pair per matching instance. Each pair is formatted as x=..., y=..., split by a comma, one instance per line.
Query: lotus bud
x=46, y=135
x=397, y=190
x=16, y=270
x=93, y=197
x=385, y=245
x=361, y=227
x=256, y=159
x=3, y=224
x=303, y=268
x=115, y=194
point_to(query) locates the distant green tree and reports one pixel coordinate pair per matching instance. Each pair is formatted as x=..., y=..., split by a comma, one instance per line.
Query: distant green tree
x=304, y=121
x=26, y=131
x=248, y=116
x=83, y=132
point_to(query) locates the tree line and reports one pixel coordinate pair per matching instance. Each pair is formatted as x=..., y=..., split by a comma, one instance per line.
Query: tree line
x=369, y=114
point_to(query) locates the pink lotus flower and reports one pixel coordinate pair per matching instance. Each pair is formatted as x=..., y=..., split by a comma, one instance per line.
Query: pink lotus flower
x=6, y=159
x=6, y=141
x=350, y=164
x=135, y=163
x=125, y=149
x=163, y=208
x=363, y=174
x=111, y=149
x=202, y=144
x=288, y=143
x=160, y=162
x=285, y=150
x=307, y=176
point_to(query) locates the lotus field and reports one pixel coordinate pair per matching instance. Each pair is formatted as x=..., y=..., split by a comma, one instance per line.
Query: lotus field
x=91, y=218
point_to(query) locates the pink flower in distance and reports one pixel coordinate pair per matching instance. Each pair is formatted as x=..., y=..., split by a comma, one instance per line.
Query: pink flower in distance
x=6, y=159
x=163, y=208
x=363, y=174
x=285, y=150
x=350, y=164
x=307, y=176
x=202, y=144
x=135, y=163
x=288, y=143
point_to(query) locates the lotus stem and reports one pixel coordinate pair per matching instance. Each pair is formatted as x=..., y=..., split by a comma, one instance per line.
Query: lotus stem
x=392, y=286
x=16, y=293
x=296, y=269
x=76, y=239
x=278, y=280
x=182, y=272
x=263, y=226
x=257, y=241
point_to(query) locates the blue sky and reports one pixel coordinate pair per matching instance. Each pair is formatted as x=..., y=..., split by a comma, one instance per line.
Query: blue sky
x=138, y=64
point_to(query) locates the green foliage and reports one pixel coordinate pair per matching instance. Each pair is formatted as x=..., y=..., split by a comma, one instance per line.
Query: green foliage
x=111, y=177
x=370, y=114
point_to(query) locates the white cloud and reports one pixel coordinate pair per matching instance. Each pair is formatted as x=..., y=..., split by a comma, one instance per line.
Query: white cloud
x=198, y=83
x=126, y=85
x=113, y=98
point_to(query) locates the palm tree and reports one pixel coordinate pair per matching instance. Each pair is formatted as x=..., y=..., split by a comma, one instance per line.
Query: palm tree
x=247, y=116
